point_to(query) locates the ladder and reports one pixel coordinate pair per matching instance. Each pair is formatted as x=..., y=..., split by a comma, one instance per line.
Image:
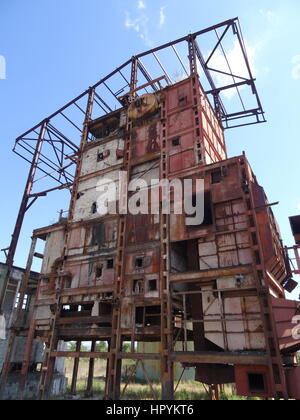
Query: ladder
x=112, y=390
x=49, y=362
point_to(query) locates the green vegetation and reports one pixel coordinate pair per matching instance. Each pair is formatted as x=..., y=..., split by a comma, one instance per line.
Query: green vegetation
x=139, y=389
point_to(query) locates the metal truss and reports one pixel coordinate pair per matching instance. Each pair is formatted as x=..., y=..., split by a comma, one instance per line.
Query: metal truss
x=53, y=147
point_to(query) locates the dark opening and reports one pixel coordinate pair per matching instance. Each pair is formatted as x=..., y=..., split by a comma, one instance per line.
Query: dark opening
x=105, y=309
x=152, y=285
x=110, y=264
x=147, y=316
x=138, y=286
x=139, y=262
x=254, y=238
x=139, y=315
x=257, y=258
x=256, y=383
x=140, y=102
x=182, y=100
x=94, y=208
x=152, y=316
x=208, y=215
x=185, y=256
x=67, y=283
x=99, y=271
x=98, y=234
x=100, y=157
x=176, y=141
x=295, y=224
x=216, y=176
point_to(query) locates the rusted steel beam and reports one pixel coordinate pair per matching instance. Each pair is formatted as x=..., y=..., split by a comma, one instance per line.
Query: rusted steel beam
x=89, y=290
x=23, y=207
x=185, y=38
x=209, y=274
x=75, y=369
x=139, y=356
x=86, y=320
x=73, y=334
x=44, y=193
x=13, y=331
x=133, y=77
x=89, y=387
x=220, y=358
x=79, y=355
x=27, y=357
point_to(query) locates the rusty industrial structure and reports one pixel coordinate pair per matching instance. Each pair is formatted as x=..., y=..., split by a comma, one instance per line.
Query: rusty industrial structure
x=219, y=286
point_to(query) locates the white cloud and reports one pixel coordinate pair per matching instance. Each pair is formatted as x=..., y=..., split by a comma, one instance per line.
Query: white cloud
x=2, y=67
x=237, y=64
x=298, y=206
x=139, y=25
x=141, y=4
x=296, y=67
x=268, y=14
x=162, y=16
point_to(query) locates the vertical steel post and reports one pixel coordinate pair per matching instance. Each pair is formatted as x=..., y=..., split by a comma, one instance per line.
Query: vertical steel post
x=133, y=77
x=192, y=55
x=23, y=208
x=84, y=136
x=89, y=388
x=75, y=369
x=296, y=249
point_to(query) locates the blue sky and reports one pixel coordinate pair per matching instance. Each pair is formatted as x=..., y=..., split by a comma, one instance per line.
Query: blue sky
x=55, y=49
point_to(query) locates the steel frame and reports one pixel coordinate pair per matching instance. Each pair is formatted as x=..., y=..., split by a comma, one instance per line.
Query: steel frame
x=58, y=133
x=53, y=141
x=293, y=255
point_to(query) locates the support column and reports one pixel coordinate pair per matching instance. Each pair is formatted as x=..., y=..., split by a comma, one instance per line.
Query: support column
x=133, y=78
x=192, y=55
x=297, y=257
x=48, y=370
x=89, y=388
x=84, y=137
x=75, y=369
x=23, y=208
x=14, y=330
x=166, y=319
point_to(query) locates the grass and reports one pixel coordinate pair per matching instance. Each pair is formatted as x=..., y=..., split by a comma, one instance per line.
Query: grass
x=137, y=389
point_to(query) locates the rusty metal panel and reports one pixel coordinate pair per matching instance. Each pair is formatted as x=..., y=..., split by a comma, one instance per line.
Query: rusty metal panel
x=293, y=382
x=76, y=238
x=145, y=140
x=285, y=312
x=182, y=160
x=243, y=384
x=179, y=96
x=180, y=122
x=53, y=250
x=101, y=156
x=295, y=225
x=136, y=232
x=150, y=261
